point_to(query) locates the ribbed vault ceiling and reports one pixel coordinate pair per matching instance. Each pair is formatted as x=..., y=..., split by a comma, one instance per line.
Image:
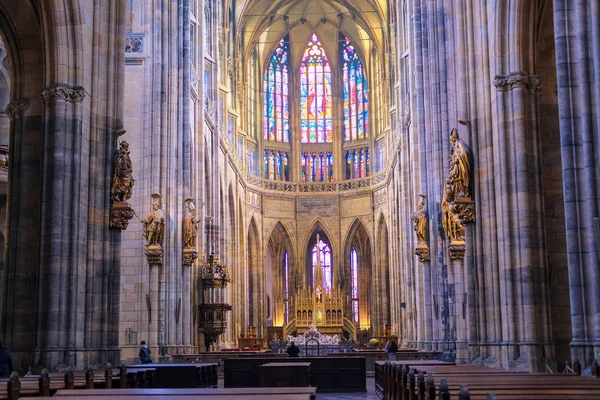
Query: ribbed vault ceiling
x=263, y=23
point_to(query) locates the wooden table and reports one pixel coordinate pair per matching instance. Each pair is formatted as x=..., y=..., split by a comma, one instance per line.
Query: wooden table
x=160, y=393
x=288, y=374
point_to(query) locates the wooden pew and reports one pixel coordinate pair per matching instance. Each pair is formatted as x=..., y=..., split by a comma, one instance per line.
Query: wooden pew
x=469, y=382
x=311, y=391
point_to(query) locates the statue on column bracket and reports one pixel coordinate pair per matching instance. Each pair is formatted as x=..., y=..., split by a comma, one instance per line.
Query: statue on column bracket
x=154, y=228
x=121, y=189
x=190, y=232
x=460, y=166
x=419, y=219
x=452, y=225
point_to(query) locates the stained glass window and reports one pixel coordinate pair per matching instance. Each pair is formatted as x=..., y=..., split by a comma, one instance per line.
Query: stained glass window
x=322, y=248
x=276, y=122
x=316, y=123
x=358, y=163
x=317, y=167
x=356, y=112
x=286, y=273
x=276, y=165
x=354, y=273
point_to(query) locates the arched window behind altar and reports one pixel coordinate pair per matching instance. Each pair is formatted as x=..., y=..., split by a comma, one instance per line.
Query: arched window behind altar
x=286, y=274
x=354, y=273
x=325, y=252
x=276, y=106
x=356, y=110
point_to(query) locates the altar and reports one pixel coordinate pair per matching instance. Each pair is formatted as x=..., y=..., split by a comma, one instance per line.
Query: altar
x=320, y=306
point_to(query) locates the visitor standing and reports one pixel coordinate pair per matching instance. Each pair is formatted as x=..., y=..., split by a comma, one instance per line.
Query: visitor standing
x=293, y=350
x=391, y=348
x=145, y=354
x=6, y=362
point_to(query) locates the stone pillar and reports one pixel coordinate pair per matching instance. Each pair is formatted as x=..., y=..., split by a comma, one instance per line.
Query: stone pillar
x=578, y=67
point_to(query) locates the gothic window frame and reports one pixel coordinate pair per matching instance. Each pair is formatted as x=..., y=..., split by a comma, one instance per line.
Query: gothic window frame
x=315, y=99
x=354, y=280
x=276, y=94
x=355, y=92
x=326, y=262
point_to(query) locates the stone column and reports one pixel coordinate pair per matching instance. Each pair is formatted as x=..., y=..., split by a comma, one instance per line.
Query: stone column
x=578, y=65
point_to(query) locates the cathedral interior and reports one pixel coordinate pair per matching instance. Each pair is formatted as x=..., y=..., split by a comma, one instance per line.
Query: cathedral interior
x=197, y=173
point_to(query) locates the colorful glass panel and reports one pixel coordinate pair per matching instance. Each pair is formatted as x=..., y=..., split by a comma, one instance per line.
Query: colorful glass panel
x=356, y=111
x=354, y=273
x=276, y=102
x=325, y=252
x=316, y=123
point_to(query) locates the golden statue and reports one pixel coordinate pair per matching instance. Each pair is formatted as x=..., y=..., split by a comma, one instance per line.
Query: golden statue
x=190, y=225
x=419, y=218
x=450, y=221
x=122, y=177
x=460, y=166
x=154, y=224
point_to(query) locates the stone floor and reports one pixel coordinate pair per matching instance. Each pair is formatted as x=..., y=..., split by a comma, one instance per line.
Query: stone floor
x=370, y=395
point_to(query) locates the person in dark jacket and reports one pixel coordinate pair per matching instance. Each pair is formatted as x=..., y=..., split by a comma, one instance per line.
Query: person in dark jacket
x=293, y=350
x=145, y=354
x=6, y=361
x=391, y=348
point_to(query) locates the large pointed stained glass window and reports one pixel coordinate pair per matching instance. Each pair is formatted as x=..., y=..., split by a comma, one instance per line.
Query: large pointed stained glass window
x=277, y=122
x=316, y=124
x=356, y=113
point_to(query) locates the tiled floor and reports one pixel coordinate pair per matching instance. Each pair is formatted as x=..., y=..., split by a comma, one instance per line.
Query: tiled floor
x=370, y=395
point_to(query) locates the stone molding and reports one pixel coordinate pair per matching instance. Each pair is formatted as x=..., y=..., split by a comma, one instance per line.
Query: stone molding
x=505, y=83
x=17, y=108
x=154, y=254
x=70, y=94
x=422, y=251
x=189, y=256
x=120, y=214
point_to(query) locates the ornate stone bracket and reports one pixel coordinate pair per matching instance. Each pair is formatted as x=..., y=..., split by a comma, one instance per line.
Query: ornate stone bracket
x=465, y=209
x=71, y=94
x=120, y=214
x=457, y=249
x=422, y=251
x=17, y=108
x=189, y=256
x=154, y=254
x=531, y=82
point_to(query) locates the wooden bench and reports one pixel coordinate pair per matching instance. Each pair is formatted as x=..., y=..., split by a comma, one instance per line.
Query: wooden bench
x=292, y=374
x=328, y=374
x=401, y=381
x=310, y=391
x=172, y=375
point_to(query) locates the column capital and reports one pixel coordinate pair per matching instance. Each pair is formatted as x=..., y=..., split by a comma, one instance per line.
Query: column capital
x=17, y=108
x=71, y=94
x=505, y=83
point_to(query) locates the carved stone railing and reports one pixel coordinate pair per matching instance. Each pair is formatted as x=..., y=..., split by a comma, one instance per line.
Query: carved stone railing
x=134, y=43
x=373, y=182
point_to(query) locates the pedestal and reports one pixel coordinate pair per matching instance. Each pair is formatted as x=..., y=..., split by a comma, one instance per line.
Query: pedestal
x=422, y=251
x=154, y=254
x=189, y=256
x=457, y=249
x=120, y=214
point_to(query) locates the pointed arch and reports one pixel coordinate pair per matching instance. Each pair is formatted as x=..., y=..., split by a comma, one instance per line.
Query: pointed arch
x=255, y=288
x=358, y=244
x=316, y=121
x=281, y=275
x=381, y=281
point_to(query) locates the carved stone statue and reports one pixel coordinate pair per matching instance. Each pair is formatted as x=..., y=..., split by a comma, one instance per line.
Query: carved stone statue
x=460, y=166
x=454, y=229
x=190, y=225
x=122, y=177
x=154, y=224
x=419, y=219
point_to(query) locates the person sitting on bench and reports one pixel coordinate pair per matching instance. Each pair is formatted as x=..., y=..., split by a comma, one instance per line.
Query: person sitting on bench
x=293, y=350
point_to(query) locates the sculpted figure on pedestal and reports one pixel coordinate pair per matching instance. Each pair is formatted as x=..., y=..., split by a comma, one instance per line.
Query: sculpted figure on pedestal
x=190, y=225
x=460, y=166
x=450, y=221
x=154, y=224
x=122, y=177
x=419, y=219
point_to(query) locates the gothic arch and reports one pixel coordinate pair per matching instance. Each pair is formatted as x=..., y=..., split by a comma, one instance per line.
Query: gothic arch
x=381, y=275
x=359, y=239
x=255, y=289
x=278, y=244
